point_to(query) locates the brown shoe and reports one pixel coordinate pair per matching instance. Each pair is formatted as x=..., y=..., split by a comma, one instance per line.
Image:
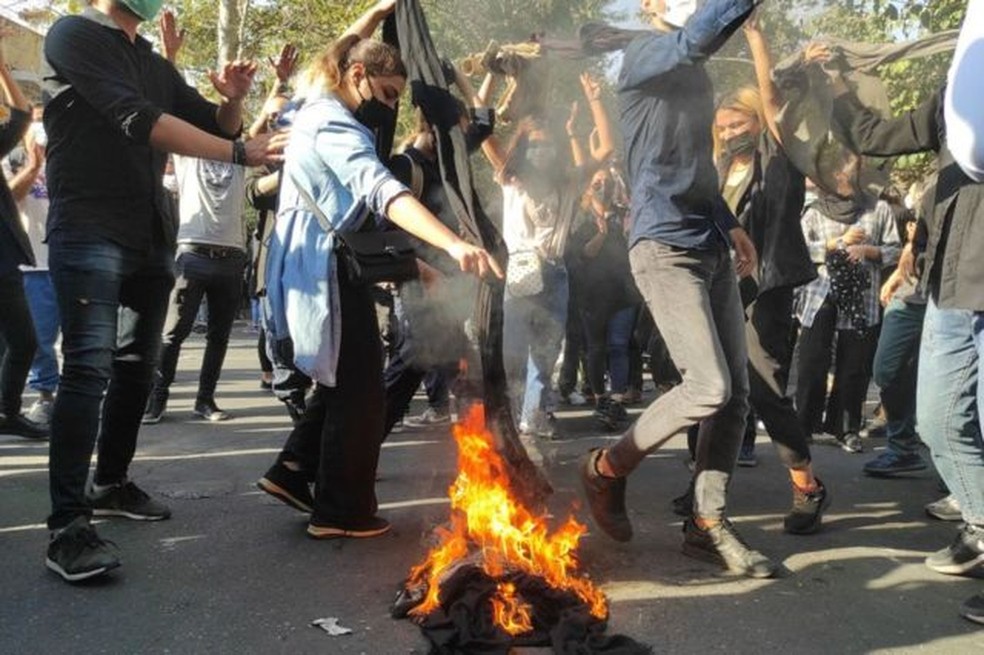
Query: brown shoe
x=606, y=498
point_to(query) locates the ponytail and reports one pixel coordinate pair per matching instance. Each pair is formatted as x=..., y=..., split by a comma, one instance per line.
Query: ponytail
x=328, y=69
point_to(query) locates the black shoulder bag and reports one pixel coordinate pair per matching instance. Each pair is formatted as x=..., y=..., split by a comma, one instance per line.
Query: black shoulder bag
x=368, y=257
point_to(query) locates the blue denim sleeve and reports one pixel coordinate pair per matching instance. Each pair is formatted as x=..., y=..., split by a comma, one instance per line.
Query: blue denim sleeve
x=707, y=30
x=348, y=150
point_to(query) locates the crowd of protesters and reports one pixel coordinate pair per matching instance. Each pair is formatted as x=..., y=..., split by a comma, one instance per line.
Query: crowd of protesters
x=703, y=248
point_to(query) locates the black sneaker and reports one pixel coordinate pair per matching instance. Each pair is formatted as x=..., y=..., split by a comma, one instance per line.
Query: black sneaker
x=77, y=553
x=208, y=410
x=606, y=498
x=290, y=487
x=154, y=411
x=891, y=463
x=21, y=426
x=851, y=443
x=973, y=609
x=806, y=516
x=965, y=554
x=127, y=500
x=721, y=544
x=683, y=505
x=372, y=527
x=611, y=414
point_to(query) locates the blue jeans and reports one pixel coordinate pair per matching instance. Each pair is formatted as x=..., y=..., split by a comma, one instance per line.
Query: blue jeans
x=896, y=362
x=41, y=298
x=948, y=402
x=608, y=336
x=533, y=329
x=112, y=302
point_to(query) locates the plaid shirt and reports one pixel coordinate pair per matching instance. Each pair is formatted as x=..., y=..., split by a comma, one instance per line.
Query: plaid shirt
x=879, y=225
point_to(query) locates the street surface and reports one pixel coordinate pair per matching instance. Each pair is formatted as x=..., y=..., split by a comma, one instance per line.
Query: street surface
x=234, y=572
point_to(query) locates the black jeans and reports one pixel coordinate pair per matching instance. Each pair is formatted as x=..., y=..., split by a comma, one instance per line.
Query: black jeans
x=219, y=280
x=112, y=301
x=769, y=355
x=852, y=373
x=337, y=440
x=17, y=333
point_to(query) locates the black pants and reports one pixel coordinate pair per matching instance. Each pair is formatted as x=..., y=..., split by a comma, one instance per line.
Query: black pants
x=575, y=348
x=17, y=333
x=852, y=374
x=220, y=282
x=769, y=356
x=337, y=440
x=266, y=366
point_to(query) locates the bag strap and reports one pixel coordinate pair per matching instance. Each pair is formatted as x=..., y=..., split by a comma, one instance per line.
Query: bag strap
x=319, y=214
x=416, y=176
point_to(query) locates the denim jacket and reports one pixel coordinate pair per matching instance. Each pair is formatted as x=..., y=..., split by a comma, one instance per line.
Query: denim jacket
x=333, y=157
x=666, y=103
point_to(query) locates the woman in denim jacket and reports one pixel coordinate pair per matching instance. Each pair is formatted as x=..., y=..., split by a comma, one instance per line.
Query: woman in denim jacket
x=353, y=88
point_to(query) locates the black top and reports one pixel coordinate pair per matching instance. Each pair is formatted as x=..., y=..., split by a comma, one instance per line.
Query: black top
x=604, y=281
x=954, y=240
x=15, y=247
x=770, y=210
x=104, y=177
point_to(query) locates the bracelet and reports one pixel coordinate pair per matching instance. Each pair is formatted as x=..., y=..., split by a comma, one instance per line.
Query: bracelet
x=283, y=88
x=238, y=152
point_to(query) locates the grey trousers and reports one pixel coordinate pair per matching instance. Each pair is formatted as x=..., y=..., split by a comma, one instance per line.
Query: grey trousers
x=693, y=297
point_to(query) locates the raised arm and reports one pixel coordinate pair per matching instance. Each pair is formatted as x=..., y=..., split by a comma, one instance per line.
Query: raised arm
x=914, y=131
x=703, y=35
x=577, y=152
x=762, y=58
x=491, y=147
x=603, y=145
x=366, y=24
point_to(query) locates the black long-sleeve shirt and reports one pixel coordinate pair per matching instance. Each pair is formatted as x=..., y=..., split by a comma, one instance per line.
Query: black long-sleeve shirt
x=954, y=268
x=104, y=177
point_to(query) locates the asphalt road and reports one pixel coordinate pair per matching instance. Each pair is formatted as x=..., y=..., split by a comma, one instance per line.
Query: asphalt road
x=233, y=571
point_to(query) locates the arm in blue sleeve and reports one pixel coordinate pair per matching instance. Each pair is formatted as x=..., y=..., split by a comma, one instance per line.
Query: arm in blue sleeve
x=349, y=151
x=651, y=56
x=99, y=77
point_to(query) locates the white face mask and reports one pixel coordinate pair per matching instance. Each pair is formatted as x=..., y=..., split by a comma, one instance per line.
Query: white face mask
x=678, y=12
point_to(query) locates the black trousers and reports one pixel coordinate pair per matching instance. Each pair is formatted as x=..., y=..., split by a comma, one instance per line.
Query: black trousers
x=17, y=333
x=769, y=356
x=220, y=282
x=852, y=373
x=338, y=439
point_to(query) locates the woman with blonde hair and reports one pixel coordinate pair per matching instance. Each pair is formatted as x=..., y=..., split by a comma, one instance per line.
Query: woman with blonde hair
x=766, y=194
x=351, y=94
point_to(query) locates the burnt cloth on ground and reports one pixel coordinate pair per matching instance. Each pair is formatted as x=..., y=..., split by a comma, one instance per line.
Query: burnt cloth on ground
x=464, y=625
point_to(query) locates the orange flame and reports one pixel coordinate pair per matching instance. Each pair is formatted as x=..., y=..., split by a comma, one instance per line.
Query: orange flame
x=507, y=535
x=509, y=612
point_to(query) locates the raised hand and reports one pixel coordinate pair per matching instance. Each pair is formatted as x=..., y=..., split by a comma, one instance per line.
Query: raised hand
x=572, y=118
x=283, y=65
x=817, y=53
x=172, y=39
x=235, y=79
x=591, y=86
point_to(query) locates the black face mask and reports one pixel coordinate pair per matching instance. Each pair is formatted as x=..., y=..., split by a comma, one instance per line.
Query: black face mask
x=374, y=113
x=743, y=144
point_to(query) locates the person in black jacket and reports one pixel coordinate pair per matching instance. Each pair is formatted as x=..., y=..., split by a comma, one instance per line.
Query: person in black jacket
x=949, y=378
x=16, y=326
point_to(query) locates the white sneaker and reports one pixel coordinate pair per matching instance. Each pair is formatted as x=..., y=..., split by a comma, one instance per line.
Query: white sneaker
x=40, y=412
x=575, y=398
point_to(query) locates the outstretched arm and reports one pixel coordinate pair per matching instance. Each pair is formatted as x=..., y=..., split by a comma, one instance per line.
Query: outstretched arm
x=771, y=102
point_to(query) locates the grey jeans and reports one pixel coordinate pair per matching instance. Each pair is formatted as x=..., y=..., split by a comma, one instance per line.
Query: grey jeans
x=693, y=297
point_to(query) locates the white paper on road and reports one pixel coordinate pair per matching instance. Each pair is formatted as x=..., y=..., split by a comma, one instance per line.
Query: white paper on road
x=330, y=625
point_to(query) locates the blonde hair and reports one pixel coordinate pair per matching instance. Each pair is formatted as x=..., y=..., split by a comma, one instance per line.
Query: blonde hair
x=325, y=73
x=745, y=100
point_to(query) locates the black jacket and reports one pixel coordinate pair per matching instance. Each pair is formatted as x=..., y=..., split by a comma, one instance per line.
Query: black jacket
x=770, y=211
x=955, y=239
x=15, y=247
